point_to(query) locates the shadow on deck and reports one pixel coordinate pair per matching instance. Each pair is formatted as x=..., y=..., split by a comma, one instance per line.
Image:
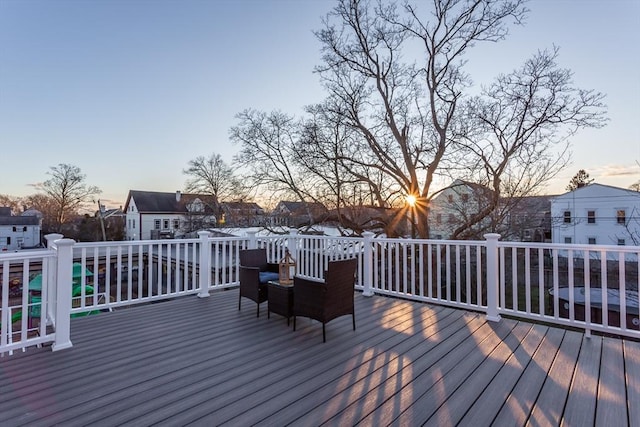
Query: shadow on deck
x=202, y=361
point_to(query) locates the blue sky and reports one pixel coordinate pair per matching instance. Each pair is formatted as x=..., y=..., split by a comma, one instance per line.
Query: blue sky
x=131, y=90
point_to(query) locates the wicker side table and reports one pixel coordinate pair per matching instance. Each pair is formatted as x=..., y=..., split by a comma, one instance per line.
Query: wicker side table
x=280, y=299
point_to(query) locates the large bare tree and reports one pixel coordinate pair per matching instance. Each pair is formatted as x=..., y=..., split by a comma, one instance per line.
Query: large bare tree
x=400, y=116
x=518, y=136
x=68, y=190
x=214, y=177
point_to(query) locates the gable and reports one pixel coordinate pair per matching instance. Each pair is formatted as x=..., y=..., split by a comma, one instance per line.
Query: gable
x=597, y=191
x=167, y=203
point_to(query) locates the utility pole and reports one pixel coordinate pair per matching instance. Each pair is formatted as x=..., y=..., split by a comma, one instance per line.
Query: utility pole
x=100, y=211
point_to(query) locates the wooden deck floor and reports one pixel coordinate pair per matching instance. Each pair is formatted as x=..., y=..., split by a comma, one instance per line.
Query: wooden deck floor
x=202, y=362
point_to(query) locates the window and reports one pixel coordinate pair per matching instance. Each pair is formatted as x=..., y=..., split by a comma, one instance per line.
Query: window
x=165, y=224
x=450, y=198
x=133, y=223
x=452, y=218
x=592, y=240
x=465, y=197
x=15, y=229
x=621, y=242
x=176, y=223
x=439, y=219
x=567, y=239
x=156, y=224
x=567, y=217
x=591, y=217
x=24, y=229
x=621, y=216
x=527, y=234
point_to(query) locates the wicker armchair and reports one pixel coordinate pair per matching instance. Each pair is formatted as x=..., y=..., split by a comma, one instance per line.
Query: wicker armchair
x=324, y=301
x=255, y=272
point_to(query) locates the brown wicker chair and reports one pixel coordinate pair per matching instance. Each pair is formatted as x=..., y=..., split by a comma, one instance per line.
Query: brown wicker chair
x=324, y=301
x=255, y=272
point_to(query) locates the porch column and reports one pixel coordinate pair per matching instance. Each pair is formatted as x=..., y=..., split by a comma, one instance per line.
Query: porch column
x=367, y=264
x=204, y=264
x=492, y=277
x=50, y=279
x=64, y=279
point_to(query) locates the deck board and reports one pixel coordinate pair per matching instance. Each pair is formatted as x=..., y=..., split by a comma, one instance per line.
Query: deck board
x=200, y=361
x=580, y=409
x=485, y=407
x=612, y=400
x=632, y=368
x=518, y=405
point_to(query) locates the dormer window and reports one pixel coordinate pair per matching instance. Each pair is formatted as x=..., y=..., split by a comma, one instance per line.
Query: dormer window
x=196, y=206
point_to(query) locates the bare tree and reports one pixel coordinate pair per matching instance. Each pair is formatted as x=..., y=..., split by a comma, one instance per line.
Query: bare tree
x=213, y=177
x=520, y=130
x=12, y=202
x=579, y=180
x=47, y=206
x=68, y=190
x=406, y=111
x=269, y=154
x=393, y=123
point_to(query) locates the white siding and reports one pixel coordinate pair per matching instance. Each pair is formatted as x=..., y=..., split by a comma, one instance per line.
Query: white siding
x=26, y=236
x=605, y=201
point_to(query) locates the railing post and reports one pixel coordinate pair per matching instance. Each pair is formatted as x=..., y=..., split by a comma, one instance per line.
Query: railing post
x=292, y=245
x=367, y=261
x=63, y=285
x=51, y=280
x=253, y=241
x=204, y=264
x=492, y=277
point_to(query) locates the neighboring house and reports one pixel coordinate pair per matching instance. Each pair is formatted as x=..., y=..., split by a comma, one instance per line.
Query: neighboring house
x=528, y=219
x=242, y=214
x=157, y=215
x=596, y=214
x=18, y=232
x=454, y=205
x=296, y=214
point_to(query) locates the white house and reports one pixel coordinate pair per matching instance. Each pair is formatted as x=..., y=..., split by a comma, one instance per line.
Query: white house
x=454, y=205
x=17, y=232
x=158, y=215
x=596, y=214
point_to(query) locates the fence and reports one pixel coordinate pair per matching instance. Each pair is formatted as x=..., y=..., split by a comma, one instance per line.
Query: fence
x=588, y=287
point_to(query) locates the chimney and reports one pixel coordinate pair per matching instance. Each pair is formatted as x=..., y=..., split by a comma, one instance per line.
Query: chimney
x=178, y=195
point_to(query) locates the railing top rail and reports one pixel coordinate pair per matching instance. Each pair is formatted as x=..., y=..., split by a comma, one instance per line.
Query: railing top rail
x=434, y=241
x=570, y=246
x=27, y=254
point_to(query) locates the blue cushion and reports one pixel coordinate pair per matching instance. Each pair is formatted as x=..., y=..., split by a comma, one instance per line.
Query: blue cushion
x=266, y=276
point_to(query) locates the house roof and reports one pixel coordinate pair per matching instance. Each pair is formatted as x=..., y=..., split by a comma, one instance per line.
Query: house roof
x=159, y=202
x=301, y=207
x=599, y=187
x=19, y=220
x=241, y=205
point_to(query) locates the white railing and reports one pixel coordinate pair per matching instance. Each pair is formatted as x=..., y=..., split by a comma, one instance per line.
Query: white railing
x=584, y=286
x=562, y=284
